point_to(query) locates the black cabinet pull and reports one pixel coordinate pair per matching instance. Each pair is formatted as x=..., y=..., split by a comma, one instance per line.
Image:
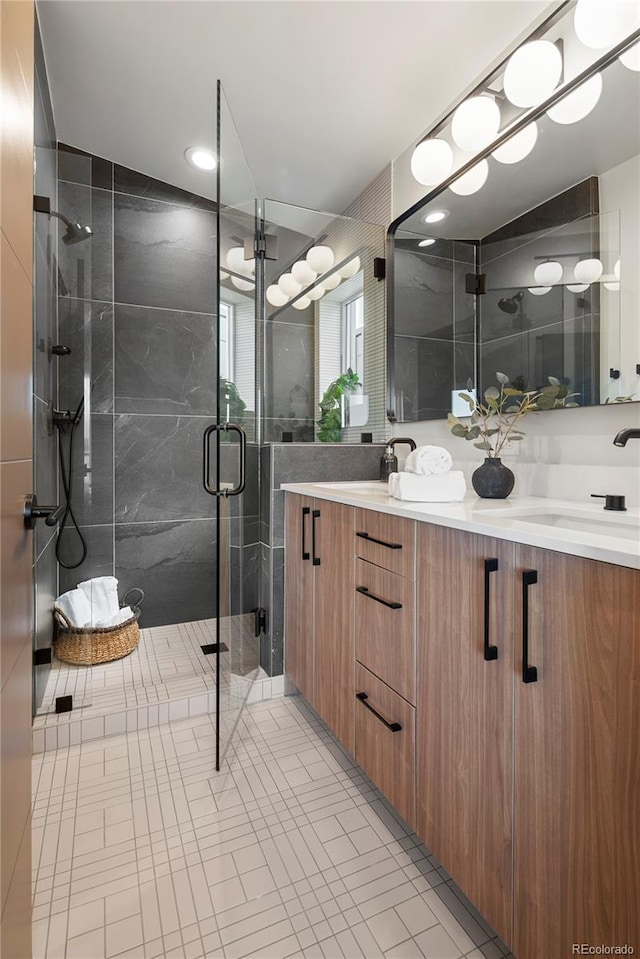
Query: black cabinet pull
x=314, y=516
x=529, y=673
x=380, y=542
x=305, y=512
x=365, y=592
x=490, y=566
x=392, y=727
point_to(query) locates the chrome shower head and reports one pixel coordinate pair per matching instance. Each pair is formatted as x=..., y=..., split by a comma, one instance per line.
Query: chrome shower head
x=75, y=232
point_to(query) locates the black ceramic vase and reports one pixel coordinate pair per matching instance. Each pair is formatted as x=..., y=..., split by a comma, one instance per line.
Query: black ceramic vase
x=493, y=480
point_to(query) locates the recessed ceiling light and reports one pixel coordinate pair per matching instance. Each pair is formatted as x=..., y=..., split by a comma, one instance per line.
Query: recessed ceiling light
x=201, y=158
x=428, y=242
x=436, y=216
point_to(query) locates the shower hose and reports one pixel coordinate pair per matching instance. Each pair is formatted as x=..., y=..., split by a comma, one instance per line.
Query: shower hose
x=68, y=522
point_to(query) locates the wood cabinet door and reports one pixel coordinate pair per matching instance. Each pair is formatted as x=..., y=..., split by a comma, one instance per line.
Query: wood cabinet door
x=334, y=653
x=464, y=713
x=577, y=749
x=299, y=594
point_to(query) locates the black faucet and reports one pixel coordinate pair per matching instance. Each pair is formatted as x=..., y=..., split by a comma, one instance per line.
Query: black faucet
x=402, y=439
x=621, y=438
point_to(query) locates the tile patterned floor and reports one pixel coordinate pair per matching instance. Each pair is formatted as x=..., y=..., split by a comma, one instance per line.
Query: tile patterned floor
x=141, y=851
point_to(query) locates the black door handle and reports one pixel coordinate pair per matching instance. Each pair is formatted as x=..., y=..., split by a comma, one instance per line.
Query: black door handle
x=305, y=512
x=315, y=514
x=206, y=459
x=380, y=542
x=365, y=592
x=392, y=727
x=529, y=673
x=490, y=566
x=232, y=428
x=32, y=512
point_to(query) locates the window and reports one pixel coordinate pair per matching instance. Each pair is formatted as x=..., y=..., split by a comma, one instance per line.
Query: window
x=225, y=339
x=353, y=332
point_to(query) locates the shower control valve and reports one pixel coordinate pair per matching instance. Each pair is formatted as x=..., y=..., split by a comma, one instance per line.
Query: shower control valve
x=32, y=512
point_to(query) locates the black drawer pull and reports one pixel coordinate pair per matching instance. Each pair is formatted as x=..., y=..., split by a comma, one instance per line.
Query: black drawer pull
x=314, y=516
x=305, y=552
x=392, y=727
x=365, y=592
x=490, y=566
x=380, y=542
x=529, y=673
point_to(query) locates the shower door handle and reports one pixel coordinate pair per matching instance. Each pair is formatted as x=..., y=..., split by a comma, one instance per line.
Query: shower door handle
x=206, y=459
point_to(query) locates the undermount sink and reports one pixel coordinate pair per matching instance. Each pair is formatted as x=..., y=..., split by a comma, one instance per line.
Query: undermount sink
x=627, y=527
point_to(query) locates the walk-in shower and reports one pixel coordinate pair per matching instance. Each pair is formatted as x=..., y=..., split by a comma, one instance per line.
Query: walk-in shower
x=74, y=233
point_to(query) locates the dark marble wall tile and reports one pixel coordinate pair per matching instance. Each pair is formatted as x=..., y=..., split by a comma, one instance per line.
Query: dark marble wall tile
x=158, y=469
x=174, y=563
x=85, y=267
x=277, y=612
x=46, y=589
x=464, y=305
x=244, y=578
x=289, y=374
x=99, y=559
x=164, y=255
x=165, y=361
x=76, y=166
x=92, y=469
x=264, y=572
x=302, y=431
x=265, y=493
x=45, y=365
x=450, y=365
x=45, y=467
x=301, y=463
x=87, y=327
x=139, y=184
x=423, y=296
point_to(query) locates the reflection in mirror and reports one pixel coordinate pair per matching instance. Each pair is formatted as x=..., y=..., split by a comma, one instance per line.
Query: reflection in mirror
x=535, y=274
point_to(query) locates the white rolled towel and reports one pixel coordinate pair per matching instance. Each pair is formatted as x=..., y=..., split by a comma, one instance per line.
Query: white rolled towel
x=102, y=594
x=429, y=461
x=410, y=487
x=75, y=606
x=121, y=617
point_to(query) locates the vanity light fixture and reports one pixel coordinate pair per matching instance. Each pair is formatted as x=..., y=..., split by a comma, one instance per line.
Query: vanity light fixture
x=276, y=296
x=548, y=273
x=350, y=269
x=577, y=287
x=588, y=271
x=539, y=290
x=431, y=161
x=616, y=269
x=436, y=216
x=316, y=292
x=302, y=303
x=302, y=273
x=289, y=285
x=519, y=146
x=471, y=181
x=244, y=285
x=532, y=73
x=631, y=57
x=332, y=282
x=320, y=259
x=614, y=286
x=601, y=25
x=201, y=158
x=475, y=123
x=577, y=105
x=428, y=242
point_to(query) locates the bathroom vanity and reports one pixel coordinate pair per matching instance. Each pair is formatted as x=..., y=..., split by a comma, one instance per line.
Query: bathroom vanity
x=481, y=661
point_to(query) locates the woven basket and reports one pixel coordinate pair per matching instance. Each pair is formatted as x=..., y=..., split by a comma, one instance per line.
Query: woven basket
x=88, y=647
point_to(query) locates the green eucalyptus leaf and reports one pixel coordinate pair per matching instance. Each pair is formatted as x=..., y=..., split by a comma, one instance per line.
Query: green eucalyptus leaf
x=473, y=433
x=502, y=378
x=554, y=380
x=459, y=430
x=491, y=393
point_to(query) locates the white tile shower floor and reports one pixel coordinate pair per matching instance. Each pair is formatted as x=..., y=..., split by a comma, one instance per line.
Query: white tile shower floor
x=141, y=850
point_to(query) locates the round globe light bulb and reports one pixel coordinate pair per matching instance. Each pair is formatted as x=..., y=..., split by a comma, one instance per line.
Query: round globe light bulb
x=472, y=181
x=351, y=268
x=577, y=105
x=245, y=285
x=302, y=303
x=331, y=282
x=288, y=285
x=631, y=58
x=588, y=271
x=577, y=287
x=539, y=290
x=616, y=269
x=316, y=292
x=613, y=286
x=518, y=147
x=302, y=273
x=235, y=259
x=275, y=295
x=431, y=161
x=475, y=123
x=223, y=275
x=320, y=258
x=546, y=274
x=599, y=24
x=532, y=73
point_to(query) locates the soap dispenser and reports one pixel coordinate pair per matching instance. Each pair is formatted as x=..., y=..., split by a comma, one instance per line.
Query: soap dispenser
x=388, y=464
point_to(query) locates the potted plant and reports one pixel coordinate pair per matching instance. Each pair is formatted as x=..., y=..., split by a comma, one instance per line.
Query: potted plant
x=330, y=422
x=495, y=422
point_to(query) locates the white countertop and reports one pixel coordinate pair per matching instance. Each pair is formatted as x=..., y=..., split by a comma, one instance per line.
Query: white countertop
x=531, y=520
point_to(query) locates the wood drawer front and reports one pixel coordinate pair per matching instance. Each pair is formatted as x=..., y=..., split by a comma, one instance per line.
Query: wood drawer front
x=385, y=633
x=394, y=549
x=387, y=757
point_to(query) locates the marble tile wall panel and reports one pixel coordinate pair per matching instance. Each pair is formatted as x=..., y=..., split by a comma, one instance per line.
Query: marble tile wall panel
x=86, y=267
x=174, y=563
x=289, y=374
x=158, y=472
x=76, y=166
x=244, y=578
x=99, y=560
x=449, y=364
x=46, y=585
x=325, y=462
x=264, y=572
x=164, y=255
x=87, y=327
x=139, y=184
x=92, y=469
x=165, y=361
x=277, y=612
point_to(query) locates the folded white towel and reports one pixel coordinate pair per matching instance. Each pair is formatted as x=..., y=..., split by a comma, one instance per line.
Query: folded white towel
x=75, y=606
x=428, y=489
x=121, y=617
x=102, y=594
x=429, y=461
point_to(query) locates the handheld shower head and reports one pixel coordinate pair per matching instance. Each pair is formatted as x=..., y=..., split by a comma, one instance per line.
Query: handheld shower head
x=512, y=303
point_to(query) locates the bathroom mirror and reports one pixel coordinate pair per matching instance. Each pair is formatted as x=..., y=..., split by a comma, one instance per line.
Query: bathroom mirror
x=535, y=274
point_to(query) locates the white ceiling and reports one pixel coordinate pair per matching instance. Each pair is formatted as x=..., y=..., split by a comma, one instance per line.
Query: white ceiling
x=323, y=94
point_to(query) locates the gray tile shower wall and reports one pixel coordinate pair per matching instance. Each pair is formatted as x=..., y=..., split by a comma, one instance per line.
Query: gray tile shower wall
x=297, y=463
x=137, y=307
